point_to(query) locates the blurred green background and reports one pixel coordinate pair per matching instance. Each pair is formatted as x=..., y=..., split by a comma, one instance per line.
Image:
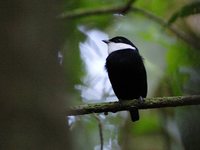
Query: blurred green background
x=52, y=57
x=173, y=68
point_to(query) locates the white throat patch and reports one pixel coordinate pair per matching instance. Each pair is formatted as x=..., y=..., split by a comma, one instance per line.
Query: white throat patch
x=118, y=46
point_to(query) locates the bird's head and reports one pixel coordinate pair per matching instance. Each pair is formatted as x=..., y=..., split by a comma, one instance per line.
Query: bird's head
x=119, y=43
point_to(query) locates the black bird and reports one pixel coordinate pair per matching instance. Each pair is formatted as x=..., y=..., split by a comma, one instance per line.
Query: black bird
x=126, y=71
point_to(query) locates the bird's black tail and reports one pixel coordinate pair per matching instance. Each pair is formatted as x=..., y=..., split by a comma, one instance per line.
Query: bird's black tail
x=134, y=114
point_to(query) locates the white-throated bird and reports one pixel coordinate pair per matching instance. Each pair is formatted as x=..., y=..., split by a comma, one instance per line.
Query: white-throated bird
x=126, y=71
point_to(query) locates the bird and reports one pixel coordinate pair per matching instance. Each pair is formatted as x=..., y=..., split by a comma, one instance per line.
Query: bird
x=126, y=71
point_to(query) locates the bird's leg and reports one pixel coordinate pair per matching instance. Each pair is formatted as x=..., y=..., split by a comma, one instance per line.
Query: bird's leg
x=120, y=102
x=141, y=99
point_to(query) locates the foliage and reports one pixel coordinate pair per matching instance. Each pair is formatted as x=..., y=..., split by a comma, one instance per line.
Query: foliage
x=167, y=57
x=186, y=10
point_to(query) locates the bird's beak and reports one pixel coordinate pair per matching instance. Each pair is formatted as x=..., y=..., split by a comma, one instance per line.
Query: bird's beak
x=106, y=41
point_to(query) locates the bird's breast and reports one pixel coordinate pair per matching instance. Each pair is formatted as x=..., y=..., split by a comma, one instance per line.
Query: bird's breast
x=127, y=74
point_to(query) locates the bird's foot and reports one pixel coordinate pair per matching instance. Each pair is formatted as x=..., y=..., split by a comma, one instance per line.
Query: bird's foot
x=141, y=99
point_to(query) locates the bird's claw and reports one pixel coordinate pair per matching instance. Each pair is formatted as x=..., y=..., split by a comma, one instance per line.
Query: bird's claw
x=141, y=99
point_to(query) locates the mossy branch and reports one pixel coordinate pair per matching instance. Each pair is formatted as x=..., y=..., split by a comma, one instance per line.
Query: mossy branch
x=149, y=103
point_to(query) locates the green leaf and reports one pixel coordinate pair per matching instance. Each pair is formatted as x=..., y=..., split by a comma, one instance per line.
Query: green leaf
x=189, y=9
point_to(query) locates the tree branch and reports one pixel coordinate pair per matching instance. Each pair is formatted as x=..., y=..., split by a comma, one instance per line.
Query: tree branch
x=97, y=11
x=149, y=103
x=128, y=8
x=100, y=130
x=177, y=32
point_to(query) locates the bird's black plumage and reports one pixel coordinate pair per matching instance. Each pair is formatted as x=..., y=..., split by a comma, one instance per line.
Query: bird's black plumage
x=127, y=74
x=121, y=39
